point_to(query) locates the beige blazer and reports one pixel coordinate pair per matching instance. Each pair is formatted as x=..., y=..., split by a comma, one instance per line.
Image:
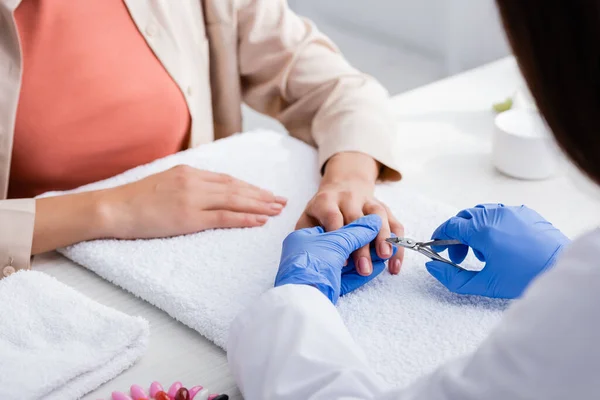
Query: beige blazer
x=256, y=52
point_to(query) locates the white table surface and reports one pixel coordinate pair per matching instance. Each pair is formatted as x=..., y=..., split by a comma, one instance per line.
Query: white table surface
x=444, y=146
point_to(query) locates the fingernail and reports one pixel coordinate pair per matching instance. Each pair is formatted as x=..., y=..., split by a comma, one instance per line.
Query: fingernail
x=261, y=219
x=385, y=249
x=397, y=265
x=364, y=266
x=276, y=207
x=281, y=199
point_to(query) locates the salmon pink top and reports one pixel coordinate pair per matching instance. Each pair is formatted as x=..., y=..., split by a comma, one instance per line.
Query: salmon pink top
x=94, y=100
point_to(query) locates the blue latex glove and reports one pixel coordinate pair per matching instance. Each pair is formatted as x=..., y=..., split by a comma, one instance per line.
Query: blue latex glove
x=516, y=244
x=316, y=258
x=352, y=280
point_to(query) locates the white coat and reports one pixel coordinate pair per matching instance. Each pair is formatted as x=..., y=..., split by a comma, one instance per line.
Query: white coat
x=292, y=345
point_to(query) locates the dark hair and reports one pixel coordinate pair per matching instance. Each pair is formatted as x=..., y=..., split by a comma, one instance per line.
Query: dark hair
x=557, y=46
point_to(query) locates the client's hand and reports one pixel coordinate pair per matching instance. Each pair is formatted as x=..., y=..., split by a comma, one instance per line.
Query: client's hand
x=312, y=257
x=516, y=244
x=184, y=200
x=346, y=193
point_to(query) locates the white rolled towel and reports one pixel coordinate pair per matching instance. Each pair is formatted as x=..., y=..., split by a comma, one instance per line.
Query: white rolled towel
x=56, y=343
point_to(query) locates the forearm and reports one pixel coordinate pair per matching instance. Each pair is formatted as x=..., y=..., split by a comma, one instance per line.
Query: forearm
x=64, y=220
x=313, y=356
x=310, y=87
x=351, y=165
x=292, y=344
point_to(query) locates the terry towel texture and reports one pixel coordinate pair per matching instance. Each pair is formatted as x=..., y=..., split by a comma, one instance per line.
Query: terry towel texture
x=407, y=324
x=56, y=344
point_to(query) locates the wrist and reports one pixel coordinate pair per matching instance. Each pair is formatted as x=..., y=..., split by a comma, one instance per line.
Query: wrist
x=351, y=166
x=64, y=220
x=103, y=214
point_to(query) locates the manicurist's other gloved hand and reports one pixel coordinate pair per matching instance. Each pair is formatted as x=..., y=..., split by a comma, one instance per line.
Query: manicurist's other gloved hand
x=516, y=244
x=314, y=257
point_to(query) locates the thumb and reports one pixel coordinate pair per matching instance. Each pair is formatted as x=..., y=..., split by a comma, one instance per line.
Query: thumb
x=456, y=228
x=358, y=233
x=453, y=278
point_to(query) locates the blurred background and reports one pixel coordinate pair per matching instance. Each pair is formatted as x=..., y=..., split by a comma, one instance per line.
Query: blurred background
x=405, y=43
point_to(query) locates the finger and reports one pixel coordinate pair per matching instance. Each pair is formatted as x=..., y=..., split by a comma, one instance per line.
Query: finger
x=327, y=213
x=453, y=278
x=458, y=253
x=214, y=188
x=237, y=203
x=229, y=180
x=358, y=233
x=230, y=219
x=258, y=194
x=395, y=263
x=306, y=221
x=479, y=209
x=457, y=228
x=374, y=257
x=362, y=259
x=362, y=256
x=384, y=249
x=219, y=177
x=351, y=280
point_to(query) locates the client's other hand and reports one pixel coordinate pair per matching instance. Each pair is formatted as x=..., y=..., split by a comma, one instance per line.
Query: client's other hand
x=184, y=200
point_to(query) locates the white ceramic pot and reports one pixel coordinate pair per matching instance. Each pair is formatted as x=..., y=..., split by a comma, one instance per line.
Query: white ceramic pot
x=523, y=147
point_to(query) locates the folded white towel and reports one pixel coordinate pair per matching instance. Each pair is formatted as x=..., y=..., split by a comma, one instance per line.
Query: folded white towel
x=57, y=344
x=408, y=324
